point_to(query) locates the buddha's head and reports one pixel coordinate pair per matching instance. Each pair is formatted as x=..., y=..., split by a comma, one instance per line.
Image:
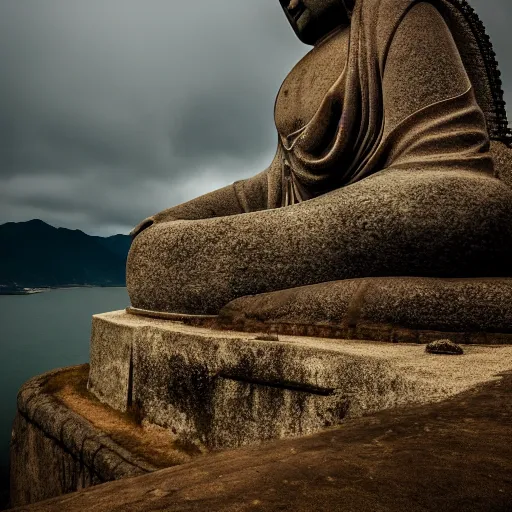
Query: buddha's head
x=313, y=19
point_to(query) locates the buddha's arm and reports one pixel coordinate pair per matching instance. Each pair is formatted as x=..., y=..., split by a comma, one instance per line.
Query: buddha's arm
x=423, y=77
x=240, y=197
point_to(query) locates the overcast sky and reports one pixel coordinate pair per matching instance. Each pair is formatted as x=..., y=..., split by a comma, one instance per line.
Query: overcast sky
x=111, y=110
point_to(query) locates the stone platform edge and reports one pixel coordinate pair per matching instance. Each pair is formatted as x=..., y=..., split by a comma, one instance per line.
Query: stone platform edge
x=73, y=444
x=224, y=389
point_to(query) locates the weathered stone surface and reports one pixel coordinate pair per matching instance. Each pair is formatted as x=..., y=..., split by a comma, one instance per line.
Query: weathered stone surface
x=502, y=156
x=116, y=352
x=444, y=347
x=451, y=456
x=63, y=440
x=404, y=309
x=200, y=266
x=228, y=389
x=41, y=468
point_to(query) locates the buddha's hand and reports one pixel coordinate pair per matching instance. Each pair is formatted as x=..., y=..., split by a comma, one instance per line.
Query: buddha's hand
x=141, y=226
x=218, y=203
x=163, y=216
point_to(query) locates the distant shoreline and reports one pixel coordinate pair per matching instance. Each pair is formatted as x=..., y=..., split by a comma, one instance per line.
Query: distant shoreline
x=42, y=289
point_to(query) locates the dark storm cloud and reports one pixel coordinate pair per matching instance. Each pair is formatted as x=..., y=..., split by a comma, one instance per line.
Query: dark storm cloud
x=111, y=110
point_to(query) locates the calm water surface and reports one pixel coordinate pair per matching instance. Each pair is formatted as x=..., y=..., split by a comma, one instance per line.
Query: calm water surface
x=42, y=332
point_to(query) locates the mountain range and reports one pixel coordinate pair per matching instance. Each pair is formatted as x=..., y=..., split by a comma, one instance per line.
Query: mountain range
x=34, y=254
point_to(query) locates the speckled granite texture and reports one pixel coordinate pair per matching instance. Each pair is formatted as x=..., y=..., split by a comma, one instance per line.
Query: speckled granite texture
x=450, y=456
x=446, y=224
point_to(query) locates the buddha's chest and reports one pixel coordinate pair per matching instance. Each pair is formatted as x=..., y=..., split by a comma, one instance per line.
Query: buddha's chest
x=307, y=84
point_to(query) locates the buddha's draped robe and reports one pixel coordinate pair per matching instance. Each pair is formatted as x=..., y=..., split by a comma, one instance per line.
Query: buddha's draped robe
x=403, y=101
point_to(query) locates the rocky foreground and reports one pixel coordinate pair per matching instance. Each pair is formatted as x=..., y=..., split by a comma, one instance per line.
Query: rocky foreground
x=451, y=456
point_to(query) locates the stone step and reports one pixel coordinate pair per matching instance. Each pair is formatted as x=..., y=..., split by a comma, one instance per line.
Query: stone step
x=225, y=389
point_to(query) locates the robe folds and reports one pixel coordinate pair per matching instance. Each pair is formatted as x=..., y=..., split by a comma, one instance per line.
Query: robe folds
x=415, y=92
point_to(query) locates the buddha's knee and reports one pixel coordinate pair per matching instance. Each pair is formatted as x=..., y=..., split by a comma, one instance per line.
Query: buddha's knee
x=450, y=197
x=485, y=203
x=460, y=221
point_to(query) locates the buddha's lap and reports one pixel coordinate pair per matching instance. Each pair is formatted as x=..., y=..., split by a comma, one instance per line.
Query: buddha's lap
x=448, y=201
x=394, y=223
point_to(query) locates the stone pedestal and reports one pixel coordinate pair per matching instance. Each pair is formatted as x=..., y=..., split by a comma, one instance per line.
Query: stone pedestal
x=225, y=389
x=159, y=392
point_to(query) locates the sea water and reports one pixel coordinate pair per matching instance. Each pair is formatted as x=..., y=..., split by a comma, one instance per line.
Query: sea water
x=39, y=333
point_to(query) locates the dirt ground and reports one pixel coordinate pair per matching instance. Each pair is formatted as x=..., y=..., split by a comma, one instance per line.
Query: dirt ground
x=454, y=455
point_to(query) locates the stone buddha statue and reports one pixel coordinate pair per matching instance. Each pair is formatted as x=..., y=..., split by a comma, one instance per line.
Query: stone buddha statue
x=392, y=162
